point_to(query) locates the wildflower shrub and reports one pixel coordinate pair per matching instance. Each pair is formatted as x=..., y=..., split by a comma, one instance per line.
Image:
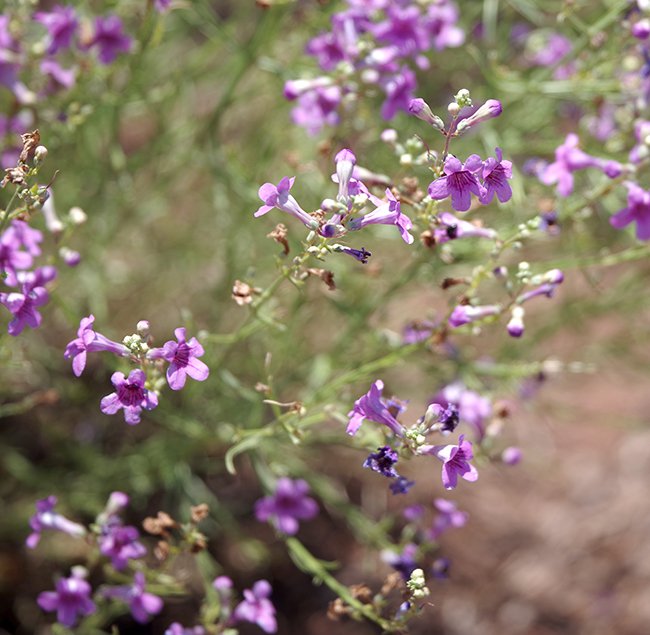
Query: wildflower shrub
x=367, y=225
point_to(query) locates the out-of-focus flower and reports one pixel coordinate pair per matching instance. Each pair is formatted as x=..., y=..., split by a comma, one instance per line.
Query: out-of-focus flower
x=257, y=607
x=637, y=211
x=289, y=504
x=47, y=518
x=70, y=600
x=110, y=39
x=143, y=605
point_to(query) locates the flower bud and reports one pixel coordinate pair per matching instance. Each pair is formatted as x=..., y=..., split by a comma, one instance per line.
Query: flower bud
x=77, y=216
x=516, y=324
x=453, y=109
x=420, y=109
x=490, y=109
x=40, y=154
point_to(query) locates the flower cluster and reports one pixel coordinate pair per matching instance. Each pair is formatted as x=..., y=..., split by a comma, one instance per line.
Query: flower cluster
x=346, y=213
x=139, y=390
x=372, y=46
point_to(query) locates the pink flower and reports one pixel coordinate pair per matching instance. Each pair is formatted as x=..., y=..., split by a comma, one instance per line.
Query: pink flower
x=455, y=461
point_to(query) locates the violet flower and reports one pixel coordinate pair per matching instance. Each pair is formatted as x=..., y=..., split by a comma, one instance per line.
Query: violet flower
x=143, y=605
x=277, y=196
x=637, y=211
x=473, y=409
x=71, y=599
x=441, y=20
x=87, y=341
x=120, y=543
x=179, y=629
x=61, y=24
x=512, y=456
x=452, y=228
x=12, y=257
x=388, y=213
x=130, y=395
x=372, y=407
x=110, y=39
x=449, y=516
x=383, y=461
x=59, y=77
x=401, y=485
x=24, y=307
x=317, y=108
x=420, y=109
x=455, y=461
x=550, y=281
x=490, y=109
x=183, y=360
x=496, y=173
x=257, y=608
x=287, y=505
x=404, y=562
x=399, y=92
x=466, y=314
x=47, y=518
x=460, y=182
x=361, y=255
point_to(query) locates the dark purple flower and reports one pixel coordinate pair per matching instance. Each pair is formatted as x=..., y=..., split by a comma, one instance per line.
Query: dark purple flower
x=47, y=518
x=449, y=516
x=388, y=213
x=70, y=600
x=257, y=608
x=361, y=255
x=383, y=461
x=455, y=461
x=143, y=605
x=401, y=485
x=130, y=395
x=61, y=24
x=372, y=407
x=460, y=182
x=404, y=29
x=277, y=196
x=549, y=223
x=496, y=173
x=120, y=543
x=183, y=360
x=110, y=39
x=88, y=340
x=637, y=211
x=287, y=505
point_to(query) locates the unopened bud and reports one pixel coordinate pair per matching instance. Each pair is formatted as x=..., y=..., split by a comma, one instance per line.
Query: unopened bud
x=420, y=109
x=142, y=327
x=77, y=216
x=490, y=109
x=453, y=109
x=40, y=154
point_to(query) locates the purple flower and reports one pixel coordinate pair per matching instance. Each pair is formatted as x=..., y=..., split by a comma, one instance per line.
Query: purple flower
x=401, y=485
x=460, y=182
x=404, y=562
x=130, y=395
x=373, y=408
x=452, y=228
x=511, y=456
x=568, y=159
x=388, y=213
x=448, y=517
x=59, y=77
x=287, y=505
x=441, y=22
x=257, y=608
x=420, y=109
x=550, y=281
x=443, y=418
x=110, y=38
x=490, y=109
x=278, y=196
x=496, y=173
x=555, y=47
x=24, y=307
x=88, y=340
x=47, y=518
x=473, y=408
x=12, y=256
x=179, y=629
x=183, y=360
x=399, y=92
x=61, y=24
x=9, y=49
x=465, y=314
x=317, y=108
x=383, y=461
x=455, y=461
x=120, y=543
x=515, y=326
x=361, y=255
x=70, y=600
x=143, y=605
x=418, y=331
x=637, y=211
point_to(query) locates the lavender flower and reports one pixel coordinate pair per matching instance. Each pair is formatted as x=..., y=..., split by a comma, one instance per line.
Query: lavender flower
x=495, y=175
x=24, y=306
x=449, y=516
x=460, y=182
x=143, y=605
x=287, y=505
x=87, y=341
x=452, y=228
x=278, y=196
x=317, y=108
x=110, y=39
x=465, y=314
x=372, y=407
x=404, y=562
x=61, y=24
x=455, y=461
x=637, y=211
x=257, y=608
x=183, y=360
x=418, y=331
x=388, y=213
x=12, y=256
x=383, y=461
x=473, y=408
x=130, y=395
x=420, y=109
x=399, y=92
x=511, y=456
x=490, y=109
x=70, y=600
x=550, y=281
x=47, y=518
